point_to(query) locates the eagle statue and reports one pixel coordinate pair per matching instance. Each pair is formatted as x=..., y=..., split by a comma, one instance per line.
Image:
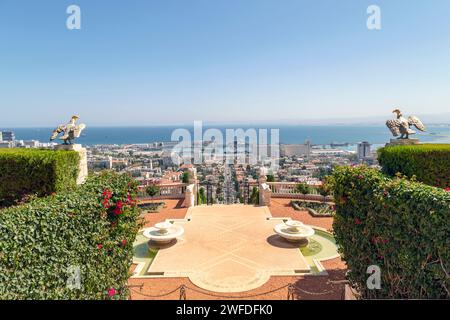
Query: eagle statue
x=401, y=126
x=70, y=131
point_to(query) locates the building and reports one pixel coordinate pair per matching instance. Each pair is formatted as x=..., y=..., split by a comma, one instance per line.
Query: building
x=31, y=144
x=6, y=144
x=7, y=136
x=291, y=150
x=363, y=150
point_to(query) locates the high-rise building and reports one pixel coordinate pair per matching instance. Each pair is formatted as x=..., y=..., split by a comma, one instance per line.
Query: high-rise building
x=363, y=150
x=8, y=136
x=290, y=150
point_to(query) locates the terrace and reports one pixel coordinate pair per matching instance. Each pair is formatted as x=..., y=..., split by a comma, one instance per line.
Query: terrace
x=233, y=251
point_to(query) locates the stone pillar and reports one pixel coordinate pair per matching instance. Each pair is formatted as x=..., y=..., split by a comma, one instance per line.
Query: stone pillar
x=82, y=166
x=265, y=194
x=193, y=183
x=403, y=142
x=189, y=196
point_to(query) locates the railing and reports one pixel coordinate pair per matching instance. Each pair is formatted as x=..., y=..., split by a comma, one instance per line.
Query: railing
x=289, y=190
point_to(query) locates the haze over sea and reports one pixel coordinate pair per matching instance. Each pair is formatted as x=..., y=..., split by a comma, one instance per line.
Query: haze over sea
x=289, y=134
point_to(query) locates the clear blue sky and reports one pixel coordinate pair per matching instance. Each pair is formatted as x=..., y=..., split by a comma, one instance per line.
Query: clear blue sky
x=169, y=61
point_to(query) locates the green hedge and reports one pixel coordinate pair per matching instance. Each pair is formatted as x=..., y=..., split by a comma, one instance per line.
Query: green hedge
x=430, y=163
x=92, y=227
x=399, y=225
x=38, y=172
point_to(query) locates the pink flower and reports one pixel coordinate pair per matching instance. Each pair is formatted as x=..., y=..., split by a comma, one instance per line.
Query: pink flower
x=124, y=242
x=112, y=292
x=117, y=211
x=357, y=221
x=99, y=246
x=105, y=203
x=447, y=189
x=107, y=194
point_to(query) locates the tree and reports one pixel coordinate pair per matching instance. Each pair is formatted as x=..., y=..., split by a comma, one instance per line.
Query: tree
x=270, y=178
x=254, y=197
x=323, y=191
x=302, y=188
x=186, y=177
x=201, y=196
x=322, y=172
x=152, y=190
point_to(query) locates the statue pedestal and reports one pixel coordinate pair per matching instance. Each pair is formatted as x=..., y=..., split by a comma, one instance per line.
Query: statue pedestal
x=402, y=142
x=82, y=166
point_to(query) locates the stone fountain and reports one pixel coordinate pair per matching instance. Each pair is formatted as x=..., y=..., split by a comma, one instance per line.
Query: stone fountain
x=294, y=231
x=163, y=232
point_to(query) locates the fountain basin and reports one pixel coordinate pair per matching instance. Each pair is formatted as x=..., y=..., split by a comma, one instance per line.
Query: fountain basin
x=294, y=231
x=163, y=233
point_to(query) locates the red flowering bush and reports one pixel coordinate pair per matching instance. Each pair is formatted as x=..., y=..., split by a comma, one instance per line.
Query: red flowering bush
x=400, y=225
x=78, y=228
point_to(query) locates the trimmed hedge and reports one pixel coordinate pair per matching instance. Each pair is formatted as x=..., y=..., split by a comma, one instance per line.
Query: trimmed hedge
x=430, y=163
x=25, y=172
x=399, y=225
x=92, y=227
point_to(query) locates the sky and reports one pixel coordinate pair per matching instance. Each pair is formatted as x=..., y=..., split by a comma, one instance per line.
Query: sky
x=175, y=61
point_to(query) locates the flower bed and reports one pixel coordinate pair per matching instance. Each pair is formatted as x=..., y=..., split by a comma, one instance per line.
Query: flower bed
x=316, y=209
x=87, y=234
x=152, y=207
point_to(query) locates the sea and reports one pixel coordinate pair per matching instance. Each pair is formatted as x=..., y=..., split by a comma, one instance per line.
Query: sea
x=288, y=134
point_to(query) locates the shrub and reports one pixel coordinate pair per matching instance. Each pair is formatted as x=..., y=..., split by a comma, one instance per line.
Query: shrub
x=430, y=163
x=254, y=196
x=202, y=196
x=152, y=190
x=186, y=177
x=400, y=226
x=25, y=172
x=302, y=188
x=91, y=228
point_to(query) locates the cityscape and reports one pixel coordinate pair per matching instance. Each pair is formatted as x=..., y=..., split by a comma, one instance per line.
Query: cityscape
x=154, y=164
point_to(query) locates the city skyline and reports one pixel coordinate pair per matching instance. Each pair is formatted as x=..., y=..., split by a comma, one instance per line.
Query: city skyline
x=175, y=62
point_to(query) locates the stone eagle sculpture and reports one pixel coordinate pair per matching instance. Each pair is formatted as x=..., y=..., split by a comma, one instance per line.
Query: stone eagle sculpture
x=401, y=125
x=70, y=131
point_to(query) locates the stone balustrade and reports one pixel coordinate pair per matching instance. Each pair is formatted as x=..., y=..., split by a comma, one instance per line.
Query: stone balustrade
x=167, y=191
x=288, y=190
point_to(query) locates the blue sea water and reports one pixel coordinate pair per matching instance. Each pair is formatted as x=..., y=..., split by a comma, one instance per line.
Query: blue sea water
x=288, y=134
